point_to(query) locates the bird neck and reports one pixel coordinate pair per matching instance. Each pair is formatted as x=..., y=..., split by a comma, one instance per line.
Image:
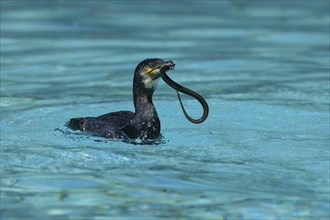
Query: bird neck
x=143, y=105
x=146, y=123
x=142, y=96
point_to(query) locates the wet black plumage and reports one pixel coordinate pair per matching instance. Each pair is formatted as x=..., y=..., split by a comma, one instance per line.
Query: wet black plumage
x=144, y=123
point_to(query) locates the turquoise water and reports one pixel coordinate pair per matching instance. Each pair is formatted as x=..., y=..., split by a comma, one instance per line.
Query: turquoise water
x=263, y=67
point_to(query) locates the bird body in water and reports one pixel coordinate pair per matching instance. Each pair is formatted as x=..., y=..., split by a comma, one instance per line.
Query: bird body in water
x=144, y=123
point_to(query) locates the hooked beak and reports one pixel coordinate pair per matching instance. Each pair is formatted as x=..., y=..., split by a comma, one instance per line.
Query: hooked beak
x=164, y=66
x=167, y=65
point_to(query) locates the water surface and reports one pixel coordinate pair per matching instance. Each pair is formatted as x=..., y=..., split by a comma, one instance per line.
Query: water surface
x=262, y=66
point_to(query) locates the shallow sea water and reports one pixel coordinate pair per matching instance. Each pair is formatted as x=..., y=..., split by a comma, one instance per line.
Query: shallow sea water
x=263, y=67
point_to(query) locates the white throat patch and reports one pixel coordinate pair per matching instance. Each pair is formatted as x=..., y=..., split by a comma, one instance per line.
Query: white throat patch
x=149, y=83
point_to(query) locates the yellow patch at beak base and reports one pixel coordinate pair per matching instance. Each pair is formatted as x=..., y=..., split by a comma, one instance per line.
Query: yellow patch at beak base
x=148, y=70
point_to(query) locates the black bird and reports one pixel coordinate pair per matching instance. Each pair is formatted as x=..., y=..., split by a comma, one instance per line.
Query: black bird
x=144, y=123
